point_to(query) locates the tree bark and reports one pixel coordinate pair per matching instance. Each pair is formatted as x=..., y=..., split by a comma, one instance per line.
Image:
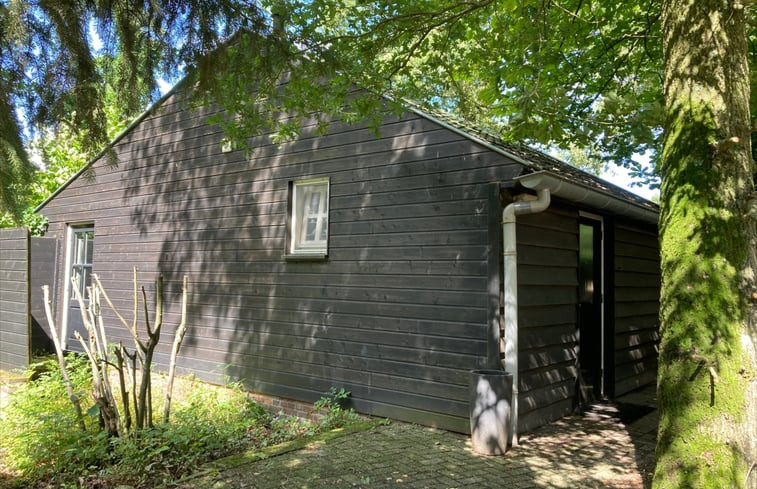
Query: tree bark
x=101, y=389
x=706, y=381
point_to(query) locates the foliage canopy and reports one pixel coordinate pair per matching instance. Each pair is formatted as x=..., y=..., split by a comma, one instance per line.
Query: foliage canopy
x=567, y=74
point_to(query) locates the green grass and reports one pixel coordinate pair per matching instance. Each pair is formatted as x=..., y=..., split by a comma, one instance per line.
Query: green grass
x=42, y=446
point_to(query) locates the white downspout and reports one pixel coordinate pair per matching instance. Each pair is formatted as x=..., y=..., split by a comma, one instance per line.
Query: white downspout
x=510, y=253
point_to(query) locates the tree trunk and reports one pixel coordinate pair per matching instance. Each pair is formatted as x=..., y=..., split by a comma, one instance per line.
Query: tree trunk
x=706, y=381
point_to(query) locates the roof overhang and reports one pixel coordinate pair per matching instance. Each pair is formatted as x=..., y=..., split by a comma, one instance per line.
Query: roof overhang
x=578, y=193
x=602, y=196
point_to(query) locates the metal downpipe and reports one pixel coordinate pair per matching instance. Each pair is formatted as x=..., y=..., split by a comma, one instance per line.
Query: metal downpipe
x=510, y=274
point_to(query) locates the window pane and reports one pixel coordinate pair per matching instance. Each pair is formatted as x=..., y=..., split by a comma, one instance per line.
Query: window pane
x=90, y=247
x=324, y=228
x=80, y=248
x=76, y=276
x=586, y=263
x=87, y=274
x=310, y=229
x=315, y=199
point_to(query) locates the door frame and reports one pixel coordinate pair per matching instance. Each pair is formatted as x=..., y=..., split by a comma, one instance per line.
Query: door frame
x=588, y=217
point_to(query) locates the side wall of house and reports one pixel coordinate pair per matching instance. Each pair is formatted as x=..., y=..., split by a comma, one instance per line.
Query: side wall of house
x=547, y=295
x=637, y=293
x=548, y=292
x=397, y=314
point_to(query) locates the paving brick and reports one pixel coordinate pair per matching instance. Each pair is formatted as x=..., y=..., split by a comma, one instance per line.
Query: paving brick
x=583, y=451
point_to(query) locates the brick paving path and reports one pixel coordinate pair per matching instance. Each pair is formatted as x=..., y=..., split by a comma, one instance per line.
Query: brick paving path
x=593, y=450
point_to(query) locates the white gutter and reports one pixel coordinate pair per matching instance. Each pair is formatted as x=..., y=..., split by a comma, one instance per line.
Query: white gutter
x=593, y=198
x=510, y=254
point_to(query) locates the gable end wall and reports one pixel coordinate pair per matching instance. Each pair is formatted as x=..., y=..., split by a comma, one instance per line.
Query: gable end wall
x=397, y=314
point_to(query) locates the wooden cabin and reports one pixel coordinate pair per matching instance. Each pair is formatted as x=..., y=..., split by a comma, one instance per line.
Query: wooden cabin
x=369, y=263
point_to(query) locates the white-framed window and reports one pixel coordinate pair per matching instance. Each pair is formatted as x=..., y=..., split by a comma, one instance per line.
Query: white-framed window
x=309, y=217
x=82, y=253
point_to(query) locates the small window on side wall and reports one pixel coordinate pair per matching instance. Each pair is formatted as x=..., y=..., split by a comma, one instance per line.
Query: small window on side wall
x=309, y=217
x=82, y=258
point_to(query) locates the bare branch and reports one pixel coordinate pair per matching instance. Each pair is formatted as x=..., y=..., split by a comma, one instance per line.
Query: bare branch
x=177, y=340
x=132, y=329
x=62, y=359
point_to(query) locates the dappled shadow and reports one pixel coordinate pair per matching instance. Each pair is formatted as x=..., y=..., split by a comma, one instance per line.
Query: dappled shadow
x=396, y=313
x=490, y=397
x=574, y=452
x=636, y=414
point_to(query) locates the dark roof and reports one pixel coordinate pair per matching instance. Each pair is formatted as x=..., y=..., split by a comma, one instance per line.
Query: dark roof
x=533, y=159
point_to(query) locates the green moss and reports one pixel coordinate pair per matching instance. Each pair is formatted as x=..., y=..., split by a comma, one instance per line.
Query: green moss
x=700, y=463
x=703, y=249
x=206, y=476
x=691, y=452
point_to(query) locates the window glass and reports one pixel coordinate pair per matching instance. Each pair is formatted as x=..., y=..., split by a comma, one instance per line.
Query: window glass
x=310, y=223
x=90, y=246
x=80, y=247
x=586, y=263
x=82, y=257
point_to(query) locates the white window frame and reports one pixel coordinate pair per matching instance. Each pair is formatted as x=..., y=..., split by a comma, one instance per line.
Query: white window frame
x=71, y=231
x=303, y=214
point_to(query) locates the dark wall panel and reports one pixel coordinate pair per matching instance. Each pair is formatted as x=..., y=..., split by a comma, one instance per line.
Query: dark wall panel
x=547, y=294
x=14, y=299
x=637, y=292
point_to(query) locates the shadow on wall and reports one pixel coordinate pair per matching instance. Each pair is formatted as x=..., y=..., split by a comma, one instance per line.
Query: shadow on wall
x=382, y=316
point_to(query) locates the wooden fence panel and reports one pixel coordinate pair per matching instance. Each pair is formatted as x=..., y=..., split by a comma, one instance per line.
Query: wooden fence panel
x=14, y=299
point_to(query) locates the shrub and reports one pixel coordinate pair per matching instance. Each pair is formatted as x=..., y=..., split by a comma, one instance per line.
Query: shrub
x=39, y=432
x=333, y=407
x=41, y=439
x=211, y=422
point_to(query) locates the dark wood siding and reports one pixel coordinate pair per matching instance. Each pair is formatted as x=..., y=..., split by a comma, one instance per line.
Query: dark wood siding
x=398, y=312
x=547, y=295
x=42, y=271
x=14, y=299
x=401, y=309
x=637, y=292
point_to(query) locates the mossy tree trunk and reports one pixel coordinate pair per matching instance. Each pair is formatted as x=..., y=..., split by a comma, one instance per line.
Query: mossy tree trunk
x=706, y=382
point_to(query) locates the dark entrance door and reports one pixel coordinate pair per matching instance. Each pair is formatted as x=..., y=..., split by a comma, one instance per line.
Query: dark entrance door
x=590, y=324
